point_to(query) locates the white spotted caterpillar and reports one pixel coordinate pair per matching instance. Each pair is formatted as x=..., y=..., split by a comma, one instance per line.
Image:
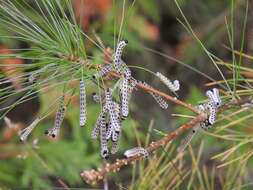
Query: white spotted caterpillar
x=83, y=112
x=137, y=151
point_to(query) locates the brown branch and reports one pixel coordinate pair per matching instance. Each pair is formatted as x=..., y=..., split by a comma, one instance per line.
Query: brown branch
x=158, y=92
x=93, y=176
x=167, y=97
x=139, y=85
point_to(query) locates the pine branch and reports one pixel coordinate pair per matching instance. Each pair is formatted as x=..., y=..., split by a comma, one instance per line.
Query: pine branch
x=139, y=85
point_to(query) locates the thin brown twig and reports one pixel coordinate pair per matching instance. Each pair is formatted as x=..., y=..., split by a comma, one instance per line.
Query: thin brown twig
x=167, y=97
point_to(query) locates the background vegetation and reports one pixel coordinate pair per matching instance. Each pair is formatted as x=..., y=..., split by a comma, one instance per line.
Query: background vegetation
x=184, y=40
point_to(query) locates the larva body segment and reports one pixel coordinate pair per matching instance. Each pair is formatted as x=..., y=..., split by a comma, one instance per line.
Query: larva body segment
x=83, y=112
x=208, y=108
x=110, y=127
x=176, y=85
x=212, y=113
x=104, y=71
x=162, y=103
x=103, y=141
x=211, y=108
x=26, y=131
x=124, y=98
x=203, y=108
x=100, y=121
x=109, y=131
x=54, y=132
x=59, y=116
x=137, y=151
x=173, y=86
x=216, y=97
x=111, y=109
x=115, y=141
x=115, y=135
x=118, y=63
x=115, y=147
x=127, y=73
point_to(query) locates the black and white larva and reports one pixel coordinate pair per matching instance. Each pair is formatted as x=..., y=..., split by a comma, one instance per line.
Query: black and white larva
x=118, y=63
x=110, y=127
x=127, y=73
x=24, y=133
x=217, y=98
x=115, y=141
x=115, y=147
x=111, y=109
x=161, y=102
x=214, y=97
x=103, y=141
x=211, y=109
x=109, y=131
x=100, y=121
x=124, y=89
x=83, y=112
x=212, y=112
x=104, y=71
x=58, y=121
x=173, y=86
x=115, y=135
x=137, y=151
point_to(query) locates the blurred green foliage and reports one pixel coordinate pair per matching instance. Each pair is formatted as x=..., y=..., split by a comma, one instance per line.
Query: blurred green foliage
x=24, y=165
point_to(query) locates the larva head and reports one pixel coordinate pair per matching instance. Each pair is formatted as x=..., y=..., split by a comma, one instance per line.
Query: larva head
x=217, y=99
x=206, y=124
x=105, y=153
x=122, y=43
x=109, y=90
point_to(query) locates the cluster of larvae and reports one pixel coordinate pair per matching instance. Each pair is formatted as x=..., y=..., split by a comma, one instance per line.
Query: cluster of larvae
x=109, y=122
x=210, y=108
